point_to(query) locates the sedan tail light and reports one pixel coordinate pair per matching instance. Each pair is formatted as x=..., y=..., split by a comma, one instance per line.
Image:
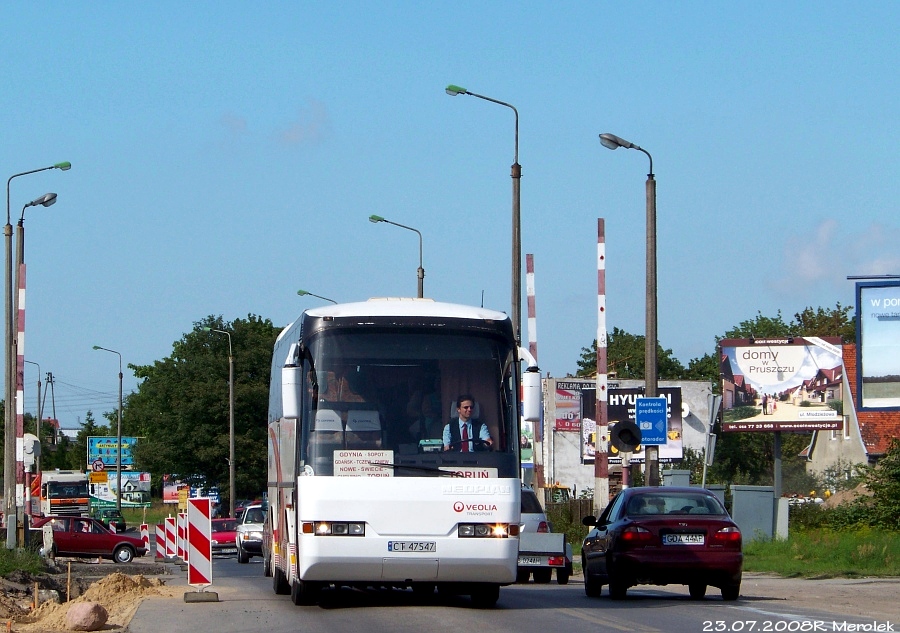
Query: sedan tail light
x=543, y=527
x=728, y=536
x=636, y=535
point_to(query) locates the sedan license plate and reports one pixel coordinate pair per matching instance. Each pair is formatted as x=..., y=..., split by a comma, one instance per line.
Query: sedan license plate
x=529, y=560
x=684, y=539
x=412, y=546
x=226, y=550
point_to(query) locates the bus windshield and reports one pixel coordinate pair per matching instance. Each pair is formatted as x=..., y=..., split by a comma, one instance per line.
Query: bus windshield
x=376, y=403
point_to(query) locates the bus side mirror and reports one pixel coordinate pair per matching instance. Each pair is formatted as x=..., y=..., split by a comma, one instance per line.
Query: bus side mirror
x=290, y=391
x=531, y=395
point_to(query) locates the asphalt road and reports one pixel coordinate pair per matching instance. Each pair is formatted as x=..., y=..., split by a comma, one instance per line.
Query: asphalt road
x=247, y=603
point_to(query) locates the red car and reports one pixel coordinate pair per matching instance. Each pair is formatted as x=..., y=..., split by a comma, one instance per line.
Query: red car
x=82, y=536
x=223, y=537
x=660, y=536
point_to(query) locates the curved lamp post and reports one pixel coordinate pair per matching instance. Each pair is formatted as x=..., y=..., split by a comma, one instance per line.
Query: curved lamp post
x=9, y=451
x=651, y=390
x=231, y=494
x=375, y=219
x=118, y=433
x=306, y=293
x=516, y=214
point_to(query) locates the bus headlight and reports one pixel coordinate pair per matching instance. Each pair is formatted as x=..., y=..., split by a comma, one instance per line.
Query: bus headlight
x=483, y=530
x=334, y=528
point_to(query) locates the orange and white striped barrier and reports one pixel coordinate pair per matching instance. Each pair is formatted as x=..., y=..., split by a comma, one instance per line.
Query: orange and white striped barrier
x=160, y=541
x=199, y=542
x=170, y=537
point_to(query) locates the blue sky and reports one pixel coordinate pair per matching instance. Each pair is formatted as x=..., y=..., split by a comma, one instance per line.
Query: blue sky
x=227, y=154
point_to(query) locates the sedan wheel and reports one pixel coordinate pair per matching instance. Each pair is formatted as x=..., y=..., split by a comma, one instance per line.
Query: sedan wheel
x=617, y=589
x=592, y=587
x=123, y=554
x=242, y=556
x=697, y=591
x=731, y=592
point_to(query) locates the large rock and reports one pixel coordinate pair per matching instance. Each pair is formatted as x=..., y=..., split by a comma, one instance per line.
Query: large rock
x=86, y=616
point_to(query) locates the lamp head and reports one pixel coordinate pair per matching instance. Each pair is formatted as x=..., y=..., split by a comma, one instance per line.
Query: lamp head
x=206, y=329
x=64, y=166
x=302, y=293
x=455, y=90
x=611, y=141
x=45, y=200
x=375, y=219
x=97, y=347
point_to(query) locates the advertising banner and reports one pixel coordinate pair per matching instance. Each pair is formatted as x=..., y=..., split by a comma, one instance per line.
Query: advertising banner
x=105, y=451
x=878, y=351
x=568, y=406
x=621, y=405
x=781, y=384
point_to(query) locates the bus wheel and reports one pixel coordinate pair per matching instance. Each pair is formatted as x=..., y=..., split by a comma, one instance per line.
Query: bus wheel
x=279, y=583
x=304, y=592
x=486, y=596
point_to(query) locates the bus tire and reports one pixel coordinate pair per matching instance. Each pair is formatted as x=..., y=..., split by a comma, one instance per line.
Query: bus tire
x=279, y=583
x=485, y=596
x=304, y=593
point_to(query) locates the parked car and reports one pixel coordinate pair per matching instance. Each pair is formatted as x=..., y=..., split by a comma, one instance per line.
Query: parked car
x=250, y=533
x=663, y=535
x=83, y=536
x=111, y=517
x=223, y=537
x=539, y=556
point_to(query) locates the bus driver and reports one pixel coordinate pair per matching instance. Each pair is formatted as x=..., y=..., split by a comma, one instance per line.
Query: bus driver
x=460, y=432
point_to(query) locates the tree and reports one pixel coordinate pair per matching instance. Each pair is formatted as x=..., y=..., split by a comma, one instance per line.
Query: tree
x=625, y=356
x=180, y=409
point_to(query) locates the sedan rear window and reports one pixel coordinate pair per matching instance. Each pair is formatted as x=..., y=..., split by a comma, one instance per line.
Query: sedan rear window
x=662, y=503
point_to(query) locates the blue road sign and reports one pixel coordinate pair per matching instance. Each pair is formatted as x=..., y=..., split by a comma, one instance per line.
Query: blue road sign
x=651, y=417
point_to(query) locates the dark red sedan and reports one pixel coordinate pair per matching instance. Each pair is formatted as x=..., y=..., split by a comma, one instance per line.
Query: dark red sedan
x=83, y=536
x=661, y=536
x=223, y=537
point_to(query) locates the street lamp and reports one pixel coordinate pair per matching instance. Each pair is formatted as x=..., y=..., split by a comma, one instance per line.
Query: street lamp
x=230, y=418
x=375, y=219
x=305, y=293
x=516, y=215
x=611, y=141
x=9, y=451
x=118, y=433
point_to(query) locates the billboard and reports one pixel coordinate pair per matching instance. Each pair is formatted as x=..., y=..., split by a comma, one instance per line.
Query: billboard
x=781, y=384
x=102, y=453
x=568, y=406
x=878, y=349
x=620, y=406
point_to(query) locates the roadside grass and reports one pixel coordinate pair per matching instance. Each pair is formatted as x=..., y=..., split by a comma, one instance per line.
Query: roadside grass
x=824, y=553
x=151, y=516
x=20, y=559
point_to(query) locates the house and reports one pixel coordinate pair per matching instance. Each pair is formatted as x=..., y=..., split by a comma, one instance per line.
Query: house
x=866, y=434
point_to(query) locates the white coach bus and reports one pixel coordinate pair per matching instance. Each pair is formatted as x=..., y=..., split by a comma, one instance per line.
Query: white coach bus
x=363, y=488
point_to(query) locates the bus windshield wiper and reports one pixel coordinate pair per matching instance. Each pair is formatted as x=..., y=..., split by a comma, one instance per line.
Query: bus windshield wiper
x=426, y=469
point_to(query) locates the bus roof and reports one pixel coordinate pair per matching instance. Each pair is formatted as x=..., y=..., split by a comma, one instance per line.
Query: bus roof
x=405, y=307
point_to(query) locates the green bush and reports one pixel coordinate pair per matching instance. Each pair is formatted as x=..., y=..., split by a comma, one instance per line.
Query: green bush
x=20, y=559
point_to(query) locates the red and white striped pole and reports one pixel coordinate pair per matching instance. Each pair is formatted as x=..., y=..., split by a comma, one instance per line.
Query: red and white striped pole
x=20, y=385
x=532, y=318
x=601, y=458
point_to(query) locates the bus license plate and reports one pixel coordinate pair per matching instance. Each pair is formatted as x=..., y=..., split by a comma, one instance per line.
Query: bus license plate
x=529, y=560
x=412, y=546
x=683, y=539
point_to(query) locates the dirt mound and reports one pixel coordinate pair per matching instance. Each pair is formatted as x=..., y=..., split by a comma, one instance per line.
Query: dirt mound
x=845, y=496
x=119, y=594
